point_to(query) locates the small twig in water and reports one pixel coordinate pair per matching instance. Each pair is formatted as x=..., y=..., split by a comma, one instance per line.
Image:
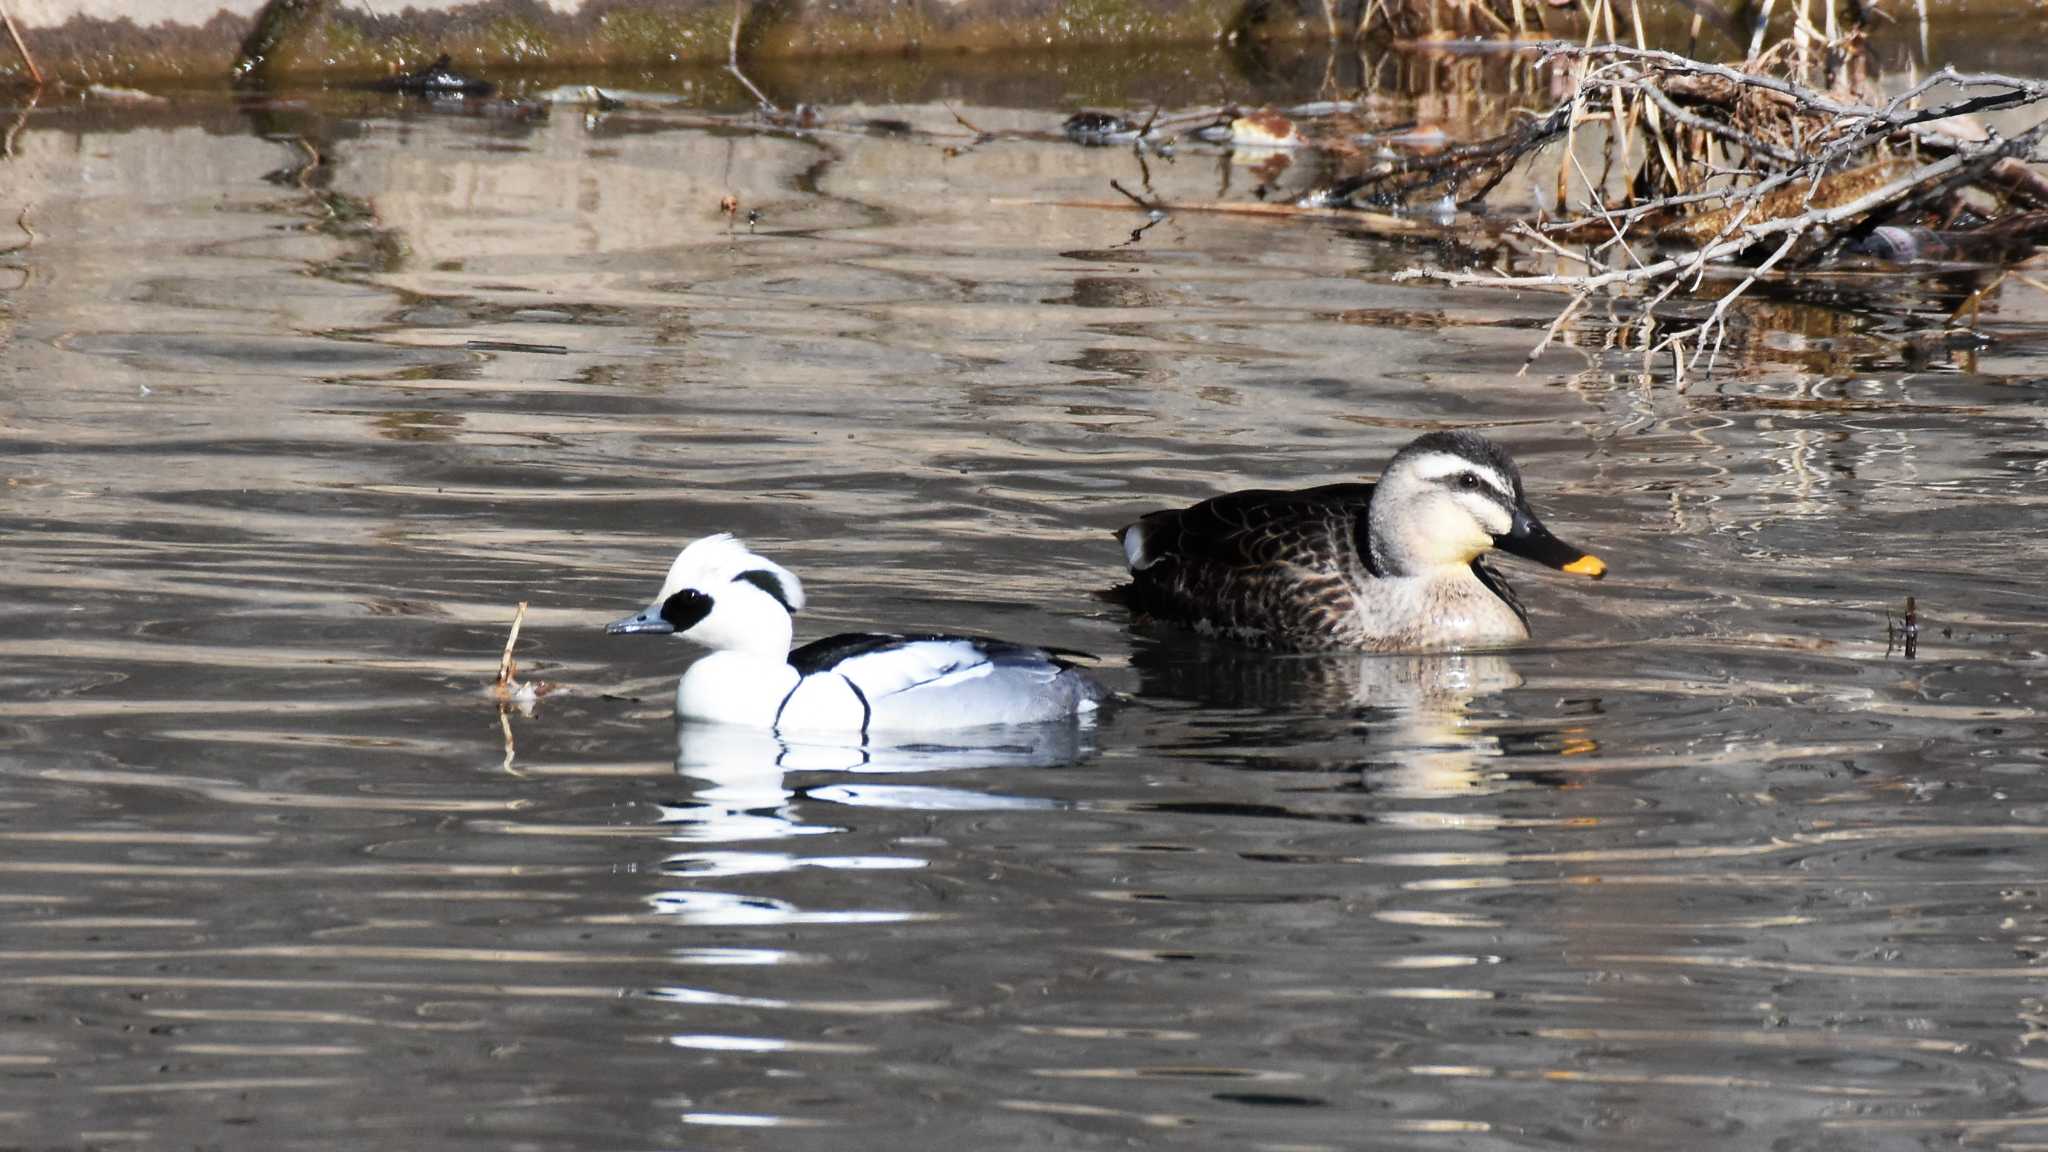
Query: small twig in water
x=507, y=669
x=1905, y=632
x=1556, y=326
x=1134, y=198
x=1138, y=233
x=980, y=137
x=509, y=692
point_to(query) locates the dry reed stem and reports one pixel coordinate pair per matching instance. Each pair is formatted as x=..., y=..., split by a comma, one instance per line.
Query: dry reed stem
x=35, y=74
x=732, y=58
x=507, y=669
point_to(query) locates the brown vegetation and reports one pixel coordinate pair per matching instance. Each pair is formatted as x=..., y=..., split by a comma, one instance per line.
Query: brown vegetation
x=1787, y=160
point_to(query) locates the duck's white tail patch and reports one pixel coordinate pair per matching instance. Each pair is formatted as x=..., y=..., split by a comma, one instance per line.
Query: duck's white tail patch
x=1133, y=537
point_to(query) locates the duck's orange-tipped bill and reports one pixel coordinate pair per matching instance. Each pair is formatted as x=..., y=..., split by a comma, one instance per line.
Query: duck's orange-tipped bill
x=1529, y=539
x=1587, y=565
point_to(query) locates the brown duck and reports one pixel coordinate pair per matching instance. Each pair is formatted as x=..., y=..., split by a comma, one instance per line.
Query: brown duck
x=1399, y=565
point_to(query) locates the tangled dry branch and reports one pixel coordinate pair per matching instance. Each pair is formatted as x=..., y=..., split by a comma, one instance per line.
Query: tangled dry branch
x=1792, y=156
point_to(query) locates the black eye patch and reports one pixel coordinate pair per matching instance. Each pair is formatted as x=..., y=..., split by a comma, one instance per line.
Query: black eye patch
x=767, y=582
x=684, y=609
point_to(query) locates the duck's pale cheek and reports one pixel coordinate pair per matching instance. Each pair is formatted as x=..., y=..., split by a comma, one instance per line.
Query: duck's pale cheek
x=1449, y=535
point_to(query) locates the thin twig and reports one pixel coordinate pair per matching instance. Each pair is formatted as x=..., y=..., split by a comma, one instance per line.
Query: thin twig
x=1974, y=304
x=2030, y=282
x=1140, y=201
x=1606, y=217
x=1556, y=326
x=506, y=668
x=1712, y=127
x=509, y=692
x=732, y=58
x=35, y=74
x=1717, y=320
x=1555, y=249
x=1664, y=205
x=980, y=137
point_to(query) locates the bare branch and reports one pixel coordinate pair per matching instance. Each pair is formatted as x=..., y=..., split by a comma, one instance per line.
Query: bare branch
x=1818, y=217
x=1716, y=322
x=1714, y=127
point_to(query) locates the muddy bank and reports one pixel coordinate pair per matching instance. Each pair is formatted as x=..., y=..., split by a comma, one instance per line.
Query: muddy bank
x=157, y=41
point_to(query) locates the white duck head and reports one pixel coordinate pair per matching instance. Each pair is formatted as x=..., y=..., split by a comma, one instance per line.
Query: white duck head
x=722, y=595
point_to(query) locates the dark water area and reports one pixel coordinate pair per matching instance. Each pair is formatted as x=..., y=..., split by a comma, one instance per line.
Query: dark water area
x=1708, y=863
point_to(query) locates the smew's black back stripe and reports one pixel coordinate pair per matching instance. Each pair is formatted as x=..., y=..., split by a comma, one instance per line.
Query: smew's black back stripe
x=867, y=711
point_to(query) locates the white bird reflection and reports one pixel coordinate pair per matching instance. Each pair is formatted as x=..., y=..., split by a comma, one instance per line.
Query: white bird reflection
x=742, y=793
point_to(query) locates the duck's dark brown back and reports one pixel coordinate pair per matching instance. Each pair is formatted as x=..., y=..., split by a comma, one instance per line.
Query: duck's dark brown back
x=1269, y=567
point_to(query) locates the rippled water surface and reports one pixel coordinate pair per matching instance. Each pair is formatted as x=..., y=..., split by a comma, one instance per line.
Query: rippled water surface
x=1704, y=866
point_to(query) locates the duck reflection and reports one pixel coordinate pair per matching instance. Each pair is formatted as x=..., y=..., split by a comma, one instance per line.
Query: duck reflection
x=742, y=792
x=1424, y=735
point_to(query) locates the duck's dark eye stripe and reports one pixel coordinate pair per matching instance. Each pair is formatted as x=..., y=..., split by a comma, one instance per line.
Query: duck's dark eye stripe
x=1474, y=482
x=767, y=582
x=685, y=609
